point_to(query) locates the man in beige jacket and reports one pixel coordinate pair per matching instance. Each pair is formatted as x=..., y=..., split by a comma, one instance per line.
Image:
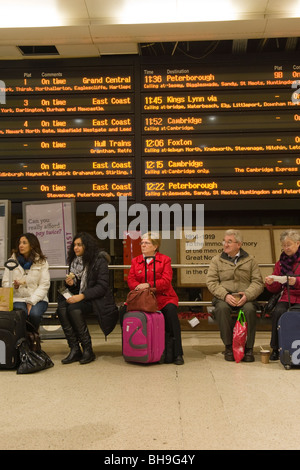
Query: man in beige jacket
x=235, y=281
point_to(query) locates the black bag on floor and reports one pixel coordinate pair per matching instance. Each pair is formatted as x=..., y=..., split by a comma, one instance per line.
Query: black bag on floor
x=33, y=337
x=12, y=328
x=31, y=361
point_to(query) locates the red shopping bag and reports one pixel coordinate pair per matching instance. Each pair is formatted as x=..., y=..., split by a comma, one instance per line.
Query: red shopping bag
x=239, y=337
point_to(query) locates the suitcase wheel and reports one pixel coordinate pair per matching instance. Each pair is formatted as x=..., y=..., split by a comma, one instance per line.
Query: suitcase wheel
x=286, y=359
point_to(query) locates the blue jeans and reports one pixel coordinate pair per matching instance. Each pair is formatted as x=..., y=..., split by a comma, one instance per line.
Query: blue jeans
x=36, y=311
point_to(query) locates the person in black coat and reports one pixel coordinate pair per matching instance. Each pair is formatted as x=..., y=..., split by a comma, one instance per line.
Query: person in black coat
x=87, y=291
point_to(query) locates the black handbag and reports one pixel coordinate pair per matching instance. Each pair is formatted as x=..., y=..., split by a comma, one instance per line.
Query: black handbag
x=31, y=361
x=33, y=337
x=272, y=302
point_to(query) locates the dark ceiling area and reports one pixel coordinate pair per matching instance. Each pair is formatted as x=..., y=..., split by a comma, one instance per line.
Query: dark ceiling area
x=202, y=49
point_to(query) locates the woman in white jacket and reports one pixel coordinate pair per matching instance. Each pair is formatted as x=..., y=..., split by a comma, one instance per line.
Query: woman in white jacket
x=31, y=278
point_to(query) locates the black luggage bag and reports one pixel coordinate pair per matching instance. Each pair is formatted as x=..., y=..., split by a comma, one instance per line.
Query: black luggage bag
x=289, y=336
x=12, y=328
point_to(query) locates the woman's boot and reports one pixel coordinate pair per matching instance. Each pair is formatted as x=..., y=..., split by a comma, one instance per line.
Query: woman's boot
x=75, y=353
x=84, y=337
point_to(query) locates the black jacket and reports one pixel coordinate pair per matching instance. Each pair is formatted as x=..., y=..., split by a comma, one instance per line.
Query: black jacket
x=98, y=292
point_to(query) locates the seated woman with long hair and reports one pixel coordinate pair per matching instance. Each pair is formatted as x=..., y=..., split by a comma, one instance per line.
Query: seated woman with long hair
x=31, y=278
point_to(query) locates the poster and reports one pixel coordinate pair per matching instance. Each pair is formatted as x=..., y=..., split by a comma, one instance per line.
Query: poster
x=53, y=223
x=256, y=241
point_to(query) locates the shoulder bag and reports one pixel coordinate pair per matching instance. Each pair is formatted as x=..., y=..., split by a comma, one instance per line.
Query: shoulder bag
x=272, y=302
x=143, y=300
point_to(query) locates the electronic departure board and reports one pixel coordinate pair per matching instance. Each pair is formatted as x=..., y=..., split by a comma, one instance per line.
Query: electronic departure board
x=68, y=132
x=216, y=132
x=96, y=130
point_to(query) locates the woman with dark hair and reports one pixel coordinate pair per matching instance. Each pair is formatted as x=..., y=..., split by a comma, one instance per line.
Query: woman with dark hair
x=31, y=278
x=88, y=286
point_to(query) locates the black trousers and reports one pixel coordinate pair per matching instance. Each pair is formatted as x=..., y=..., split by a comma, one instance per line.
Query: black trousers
x=279, y=310
x=73, y=322
x=172, y=326
x=84, y=305
x=222, y=314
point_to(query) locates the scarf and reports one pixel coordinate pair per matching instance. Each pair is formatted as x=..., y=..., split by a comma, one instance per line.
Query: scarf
x=80, y=272
x=26, y=264
x=287, y=262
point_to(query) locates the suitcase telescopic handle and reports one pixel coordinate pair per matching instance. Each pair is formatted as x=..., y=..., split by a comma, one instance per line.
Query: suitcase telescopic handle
x=10, y=264
x=152, y=257
x=288, y=286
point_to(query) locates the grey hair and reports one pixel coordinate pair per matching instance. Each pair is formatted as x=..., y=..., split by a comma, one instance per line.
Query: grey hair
x=236, y=233
x=292, y=234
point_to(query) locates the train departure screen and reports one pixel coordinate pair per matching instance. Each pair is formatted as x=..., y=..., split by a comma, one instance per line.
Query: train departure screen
x=98, y=129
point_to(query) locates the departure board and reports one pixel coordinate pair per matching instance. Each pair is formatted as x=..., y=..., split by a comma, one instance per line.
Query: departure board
x=67, y=131
x=221, y=132
x=59, y=79
x=59, y=189
x=75, y=168
x=214, y=76
x=223, y=188
x=95, y=130
x=69, y=147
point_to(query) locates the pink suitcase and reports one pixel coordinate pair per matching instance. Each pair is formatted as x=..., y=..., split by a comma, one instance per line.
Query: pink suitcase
x=143, y=334
x=143, y=337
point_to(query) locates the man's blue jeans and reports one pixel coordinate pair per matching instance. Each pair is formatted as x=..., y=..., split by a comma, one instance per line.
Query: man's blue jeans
x=36, y=311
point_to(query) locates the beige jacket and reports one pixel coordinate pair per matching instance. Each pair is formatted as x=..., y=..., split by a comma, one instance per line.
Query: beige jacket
x=225, y=277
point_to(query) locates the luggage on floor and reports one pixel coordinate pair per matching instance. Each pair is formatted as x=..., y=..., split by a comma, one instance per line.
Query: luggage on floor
x=143, y=337
x=12, y=328
x=289, y=335
x=143, y=334
x=289, y=338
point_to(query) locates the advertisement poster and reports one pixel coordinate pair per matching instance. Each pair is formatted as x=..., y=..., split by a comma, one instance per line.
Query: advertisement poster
x=54, y=225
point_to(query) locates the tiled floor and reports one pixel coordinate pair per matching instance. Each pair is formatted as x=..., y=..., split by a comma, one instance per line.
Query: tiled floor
x=109, y=404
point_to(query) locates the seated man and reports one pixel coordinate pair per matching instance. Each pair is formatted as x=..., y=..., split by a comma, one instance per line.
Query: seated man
x=234, y=272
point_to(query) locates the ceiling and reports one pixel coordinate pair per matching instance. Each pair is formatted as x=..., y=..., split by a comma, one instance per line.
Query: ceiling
x=93, y=28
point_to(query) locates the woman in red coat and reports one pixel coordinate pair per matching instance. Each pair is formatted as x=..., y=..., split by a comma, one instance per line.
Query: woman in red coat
x=167, y=299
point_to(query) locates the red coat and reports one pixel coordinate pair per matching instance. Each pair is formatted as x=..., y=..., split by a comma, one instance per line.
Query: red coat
x=294, y=290
x=163, y=278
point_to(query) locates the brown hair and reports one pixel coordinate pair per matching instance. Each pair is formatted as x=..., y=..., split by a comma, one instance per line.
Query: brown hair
x=35, y=247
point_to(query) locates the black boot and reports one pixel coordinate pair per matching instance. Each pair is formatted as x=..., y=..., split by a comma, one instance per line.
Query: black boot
x=84, y=336
x=75, y=353
x=88, y=354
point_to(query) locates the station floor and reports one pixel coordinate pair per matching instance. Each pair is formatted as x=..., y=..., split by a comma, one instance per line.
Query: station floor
x=109, y=404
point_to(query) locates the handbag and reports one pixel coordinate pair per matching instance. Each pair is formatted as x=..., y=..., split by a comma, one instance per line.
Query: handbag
x=143, y=300
x=239, y=337
x=33, y=337
x=31, y=361
x=272, y=302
